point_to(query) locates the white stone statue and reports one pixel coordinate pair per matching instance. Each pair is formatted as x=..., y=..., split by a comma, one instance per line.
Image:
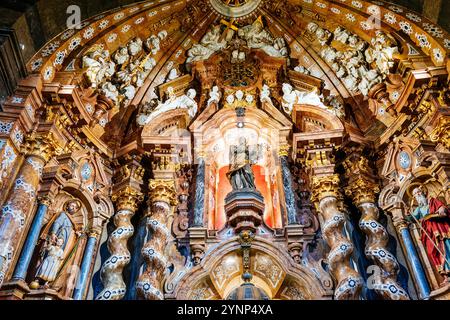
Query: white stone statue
x=341, y=34
x=368, y=80
x=292, y=96
x=302, y=69
x=153, y=44
x=335, y=105
x=329, y=54
x=209, y=44
x=173, y=74
x=214, y=95
x=186, y=101
x=99, y=66
x=121, y=56
x=110, y=91
x=382, y=52
x=258, y=38
x=135, y=47
x=128, y=91
x=264, y=96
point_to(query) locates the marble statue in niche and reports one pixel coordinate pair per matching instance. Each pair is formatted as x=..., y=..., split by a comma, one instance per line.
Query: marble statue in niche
x=433, y=216
x=52, y=257
x=242, y=157
x=154, y=108
x=60, y=235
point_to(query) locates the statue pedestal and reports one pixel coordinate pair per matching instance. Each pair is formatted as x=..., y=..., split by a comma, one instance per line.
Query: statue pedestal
x=197, y=240
x=14, y=290
x=244, y=209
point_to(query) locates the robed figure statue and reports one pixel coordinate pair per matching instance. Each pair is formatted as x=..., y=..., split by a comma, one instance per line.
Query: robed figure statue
x=242, y=157
x=434, y=219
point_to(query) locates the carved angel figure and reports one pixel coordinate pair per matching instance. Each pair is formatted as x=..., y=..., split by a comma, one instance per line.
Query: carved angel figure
x=382, y=52
x=214, y=95
x=110, y=91
x=99, y=66
x=185, y=101
x=292, y=96
x=265, y=94
x=209, y=44
x=259, y=38
x=135, y=47
x=121, y=56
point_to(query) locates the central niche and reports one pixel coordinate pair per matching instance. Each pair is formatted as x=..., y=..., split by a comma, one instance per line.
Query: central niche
x=265, y=171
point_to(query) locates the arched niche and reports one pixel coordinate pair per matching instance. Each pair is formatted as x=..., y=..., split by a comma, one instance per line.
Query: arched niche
x=309, y=118
x=273, y=271
x=214, y=137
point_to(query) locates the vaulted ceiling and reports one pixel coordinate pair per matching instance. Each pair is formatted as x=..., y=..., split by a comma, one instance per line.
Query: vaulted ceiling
x=38, y=21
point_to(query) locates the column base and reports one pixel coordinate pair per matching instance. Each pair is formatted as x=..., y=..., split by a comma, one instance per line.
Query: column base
x=441, y=293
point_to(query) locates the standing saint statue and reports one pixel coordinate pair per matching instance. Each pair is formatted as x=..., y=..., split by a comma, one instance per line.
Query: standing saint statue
x=48, y=269
x=62, y=227
x=242, y=157
x=434, y=218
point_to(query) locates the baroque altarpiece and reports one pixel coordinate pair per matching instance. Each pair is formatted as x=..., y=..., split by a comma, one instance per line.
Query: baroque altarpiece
x=216, y=149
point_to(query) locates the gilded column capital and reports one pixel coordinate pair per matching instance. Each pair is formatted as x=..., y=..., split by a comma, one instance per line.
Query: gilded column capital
x=162, y=190
x=95, y=232
x=362, y=190
x=441, y=132
x=45, y=200
x=325, y=186
x=283, y=150
x=127, y=199
x=41, y=146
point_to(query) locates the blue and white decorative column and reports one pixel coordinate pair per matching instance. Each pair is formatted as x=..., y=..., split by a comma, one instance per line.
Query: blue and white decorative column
x=85, y=267
x=23, y=263
x=413, y=258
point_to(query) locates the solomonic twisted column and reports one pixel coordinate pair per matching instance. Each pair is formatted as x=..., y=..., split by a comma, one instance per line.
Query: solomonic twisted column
x=326, y=194
x=362, y=189
x=126, y=201
x=162, y=199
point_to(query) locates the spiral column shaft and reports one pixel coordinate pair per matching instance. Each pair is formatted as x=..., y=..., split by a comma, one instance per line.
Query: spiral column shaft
x=126, y=201
x=162, y=200
x=328, y=198
x=384, y=280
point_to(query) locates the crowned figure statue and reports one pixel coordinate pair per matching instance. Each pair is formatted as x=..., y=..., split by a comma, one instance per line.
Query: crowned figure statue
x=242, y=157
